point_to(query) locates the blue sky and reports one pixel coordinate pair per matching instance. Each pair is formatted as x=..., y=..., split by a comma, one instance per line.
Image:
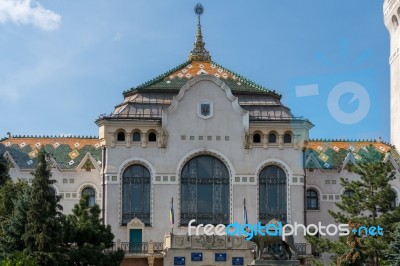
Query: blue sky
x=63, y=63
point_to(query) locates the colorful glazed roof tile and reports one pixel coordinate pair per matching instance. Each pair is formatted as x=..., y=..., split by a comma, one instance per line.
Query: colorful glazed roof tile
x=325, y=154
x=148, y=100
x=66, y=152
x=178, y=76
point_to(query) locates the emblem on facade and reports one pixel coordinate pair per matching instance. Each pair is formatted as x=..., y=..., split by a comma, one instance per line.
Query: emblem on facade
x=205, y=109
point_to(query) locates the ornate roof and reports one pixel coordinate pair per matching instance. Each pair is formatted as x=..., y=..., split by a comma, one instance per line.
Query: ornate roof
x=67, y=153
x=148, y=100
x=175, y=78
x=326, y=154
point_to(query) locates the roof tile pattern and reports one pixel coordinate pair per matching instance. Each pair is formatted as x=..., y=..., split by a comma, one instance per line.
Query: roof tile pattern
x=331, y=154
x=177, y=77
x=67, y=152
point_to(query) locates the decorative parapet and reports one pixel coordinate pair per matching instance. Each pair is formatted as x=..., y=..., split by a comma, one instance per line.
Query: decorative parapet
x=206, y=242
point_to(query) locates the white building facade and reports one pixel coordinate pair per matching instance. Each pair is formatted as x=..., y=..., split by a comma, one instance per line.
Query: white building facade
x=209, y=139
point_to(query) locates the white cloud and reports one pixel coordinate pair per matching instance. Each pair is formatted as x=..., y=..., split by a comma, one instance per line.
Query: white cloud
x=25, y=12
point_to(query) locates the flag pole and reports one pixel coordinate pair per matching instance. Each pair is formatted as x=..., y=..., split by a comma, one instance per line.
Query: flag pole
x=245, y=219
x=171, y=215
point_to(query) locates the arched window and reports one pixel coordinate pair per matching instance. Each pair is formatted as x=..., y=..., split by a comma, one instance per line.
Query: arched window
x=348, y=193
x=257, y=138
x=395, y=21
x=205, y=191
x=136, y=136
x=52, y=191
x=312, y=200
x=91, y=194
x=287, y=138
x=272, y=194
x=393, y=203
x=136, y=194
x=152, y=137
x=272, y=138
x=121, y=136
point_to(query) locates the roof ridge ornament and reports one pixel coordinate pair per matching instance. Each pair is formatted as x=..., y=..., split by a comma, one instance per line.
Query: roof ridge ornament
x=199, y=52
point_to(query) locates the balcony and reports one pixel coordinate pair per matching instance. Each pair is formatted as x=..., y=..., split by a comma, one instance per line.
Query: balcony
x=138, y=248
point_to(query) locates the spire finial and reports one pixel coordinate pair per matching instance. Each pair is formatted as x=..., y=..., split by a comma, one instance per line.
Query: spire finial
x=199, y=52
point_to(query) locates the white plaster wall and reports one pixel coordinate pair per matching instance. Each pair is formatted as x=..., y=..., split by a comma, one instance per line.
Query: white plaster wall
x=183, y=120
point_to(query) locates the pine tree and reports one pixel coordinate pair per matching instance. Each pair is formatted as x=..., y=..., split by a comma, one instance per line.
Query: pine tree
x=14, y=227
x=370, y=205
x=12, y=216
x=86, y=238
x=43, y=231
x=393, y=253
x=4, y=171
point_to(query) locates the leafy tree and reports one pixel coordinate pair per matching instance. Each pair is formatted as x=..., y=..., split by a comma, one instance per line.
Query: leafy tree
x=86, y=238
x=20, y=259
x=43, y=231
x=370, y=205
x=393, y=253
x=4, y=171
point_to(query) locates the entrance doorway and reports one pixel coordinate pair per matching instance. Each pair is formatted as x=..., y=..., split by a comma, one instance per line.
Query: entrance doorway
x=135, y=241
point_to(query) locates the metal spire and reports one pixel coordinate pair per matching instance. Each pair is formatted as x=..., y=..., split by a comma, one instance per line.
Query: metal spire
x=199, y=52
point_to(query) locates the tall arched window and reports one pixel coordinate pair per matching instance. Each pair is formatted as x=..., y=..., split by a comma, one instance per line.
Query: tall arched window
x=136, y=194
x=272, y=194
x=205, y=191
x=91, y=195
x=312, y=199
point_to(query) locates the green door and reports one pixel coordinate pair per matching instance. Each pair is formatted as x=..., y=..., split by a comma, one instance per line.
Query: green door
x=135, y=241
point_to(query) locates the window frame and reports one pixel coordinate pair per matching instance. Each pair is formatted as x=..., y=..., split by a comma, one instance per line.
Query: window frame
x=309, y=198
x=133, y=182
x=121, y=133
x=203, y=173
x=92, y=197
